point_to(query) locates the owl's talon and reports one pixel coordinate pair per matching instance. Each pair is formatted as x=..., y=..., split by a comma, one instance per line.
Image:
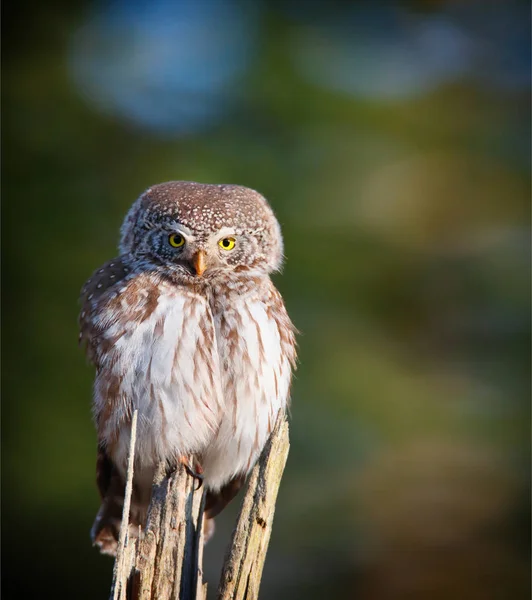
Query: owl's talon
x=197, y=474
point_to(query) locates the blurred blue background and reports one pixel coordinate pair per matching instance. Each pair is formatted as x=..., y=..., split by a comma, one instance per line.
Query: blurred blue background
x=393, y=141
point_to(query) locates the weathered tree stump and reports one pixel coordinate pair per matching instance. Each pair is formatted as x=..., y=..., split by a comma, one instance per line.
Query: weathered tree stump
x=165, y=562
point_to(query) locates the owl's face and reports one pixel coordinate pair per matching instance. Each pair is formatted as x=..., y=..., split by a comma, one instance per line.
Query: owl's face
x=203, y=231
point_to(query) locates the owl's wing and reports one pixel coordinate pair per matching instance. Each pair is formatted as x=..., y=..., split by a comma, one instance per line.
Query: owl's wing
x=103, y=285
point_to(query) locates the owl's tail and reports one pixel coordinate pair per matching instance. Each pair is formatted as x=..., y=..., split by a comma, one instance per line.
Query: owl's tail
x=106, y=526
x=215, y=502
x=111, y=485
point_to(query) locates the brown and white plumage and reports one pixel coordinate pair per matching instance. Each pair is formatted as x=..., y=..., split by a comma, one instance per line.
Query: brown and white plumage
x=196, y=338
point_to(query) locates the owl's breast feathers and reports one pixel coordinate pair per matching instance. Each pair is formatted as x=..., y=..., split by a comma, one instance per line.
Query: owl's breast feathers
x=208, y=373
x=154, y=347
x=257, y=353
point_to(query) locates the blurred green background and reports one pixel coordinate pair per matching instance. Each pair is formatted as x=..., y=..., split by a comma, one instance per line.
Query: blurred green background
x=393, y=141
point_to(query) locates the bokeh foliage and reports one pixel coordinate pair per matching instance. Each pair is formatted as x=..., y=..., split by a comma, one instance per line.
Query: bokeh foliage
x=406, y=223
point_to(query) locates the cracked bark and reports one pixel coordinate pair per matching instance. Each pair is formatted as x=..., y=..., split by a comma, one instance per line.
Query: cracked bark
x=166, y=562
x=244, y=561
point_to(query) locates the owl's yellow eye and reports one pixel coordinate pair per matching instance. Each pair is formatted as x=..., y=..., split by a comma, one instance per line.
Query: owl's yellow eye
x=176, y=240
x=227, y=243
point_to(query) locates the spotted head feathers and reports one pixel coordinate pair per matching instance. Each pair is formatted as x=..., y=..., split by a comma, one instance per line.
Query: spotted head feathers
x=203, y=216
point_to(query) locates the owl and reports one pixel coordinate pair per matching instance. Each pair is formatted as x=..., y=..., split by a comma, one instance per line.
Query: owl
x=186, y=327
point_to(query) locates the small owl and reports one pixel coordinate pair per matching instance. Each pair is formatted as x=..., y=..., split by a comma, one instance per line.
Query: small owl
x=186, y=326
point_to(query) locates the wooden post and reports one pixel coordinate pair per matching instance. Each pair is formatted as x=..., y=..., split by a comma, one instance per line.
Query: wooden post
x=166, y=561
x=244, y=561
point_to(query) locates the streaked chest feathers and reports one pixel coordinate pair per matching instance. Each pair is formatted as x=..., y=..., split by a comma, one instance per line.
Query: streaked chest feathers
x=208, y=374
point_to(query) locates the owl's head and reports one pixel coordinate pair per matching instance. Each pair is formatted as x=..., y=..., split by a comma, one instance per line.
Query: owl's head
x=201, y=230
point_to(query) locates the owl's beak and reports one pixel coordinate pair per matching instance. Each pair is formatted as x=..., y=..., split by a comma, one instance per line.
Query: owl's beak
x=199, y=263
